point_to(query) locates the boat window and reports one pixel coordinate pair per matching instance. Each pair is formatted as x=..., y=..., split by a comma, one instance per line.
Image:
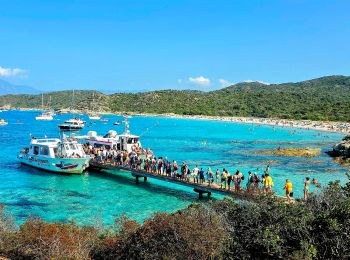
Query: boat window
x=44, y=150
x=66, y=146
x=72, y=147
x=36, y=150
x=55, y=150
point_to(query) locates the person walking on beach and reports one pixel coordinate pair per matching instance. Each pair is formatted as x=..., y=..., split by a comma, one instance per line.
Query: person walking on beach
x=306, y=187
x=289, y=190
x=217, y=176
x=267, y=170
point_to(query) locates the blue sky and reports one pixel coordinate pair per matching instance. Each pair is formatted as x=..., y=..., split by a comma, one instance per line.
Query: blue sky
x=156, y=44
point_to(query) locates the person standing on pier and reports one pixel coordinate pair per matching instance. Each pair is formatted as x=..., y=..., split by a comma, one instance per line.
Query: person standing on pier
x=223, y=179
x=217, y=175
x=195, y=174
x=165, y=163
x=201, y=176
x=160, y=166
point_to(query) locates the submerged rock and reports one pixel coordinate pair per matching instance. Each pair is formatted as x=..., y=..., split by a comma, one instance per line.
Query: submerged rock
x=296, y=152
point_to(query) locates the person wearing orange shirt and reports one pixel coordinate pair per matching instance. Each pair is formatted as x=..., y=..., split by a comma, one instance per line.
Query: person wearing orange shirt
x=289, y=190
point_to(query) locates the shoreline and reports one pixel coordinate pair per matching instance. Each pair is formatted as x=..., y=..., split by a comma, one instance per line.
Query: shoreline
x=325, y=126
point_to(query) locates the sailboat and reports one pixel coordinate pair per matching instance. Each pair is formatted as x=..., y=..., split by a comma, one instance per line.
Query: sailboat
x=46, y=115
x=75, y=123
x=93, y=115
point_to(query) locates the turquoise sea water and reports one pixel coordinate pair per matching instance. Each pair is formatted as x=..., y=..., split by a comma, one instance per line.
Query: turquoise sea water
x=99, y=197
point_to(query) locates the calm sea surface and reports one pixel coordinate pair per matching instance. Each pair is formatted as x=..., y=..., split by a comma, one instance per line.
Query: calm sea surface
x=99, y=197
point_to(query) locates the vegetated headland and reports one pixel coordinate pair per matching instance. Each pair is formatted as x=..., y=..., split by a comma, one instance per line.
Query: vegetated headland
x=321, y=104
x=325, y=99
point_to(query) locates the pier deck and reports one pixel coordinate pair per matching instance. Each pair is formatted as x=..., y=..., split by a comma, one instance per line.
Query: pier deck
x=198, y=188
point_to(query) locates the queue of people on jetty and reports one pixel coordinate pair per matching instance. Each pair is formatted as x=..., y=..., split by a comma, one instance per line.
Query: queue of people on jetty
x=144, y=160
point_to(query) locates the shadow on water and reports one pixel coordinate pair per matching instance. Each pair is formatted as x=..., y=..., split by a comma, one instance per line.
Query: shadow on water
x=25, y=203
x=121, y=178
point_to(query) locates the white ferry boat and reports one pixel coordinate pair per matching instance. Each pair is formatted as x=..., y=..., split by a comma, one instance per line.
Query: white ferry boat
x=72, y=124
x=55, y=155
x=3, y=122
x=126, y=141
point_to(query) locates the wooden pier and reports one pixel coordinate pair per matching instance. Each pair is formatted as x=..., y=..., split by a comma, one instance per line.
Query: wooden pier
x=198, y=188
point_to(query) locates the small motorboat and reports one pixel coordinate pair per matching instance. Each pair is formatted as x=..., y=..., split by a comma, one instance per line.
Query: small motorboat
x=104, y=120
x=116, y=123
x=72, y=124
x=3, y=122
x=46, y=116
x=94, y=117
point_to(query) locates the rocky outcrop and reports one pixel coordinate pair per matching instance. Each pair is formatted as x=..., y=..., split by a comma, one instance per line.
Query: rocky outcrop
x=297, y=152
x=341, y=149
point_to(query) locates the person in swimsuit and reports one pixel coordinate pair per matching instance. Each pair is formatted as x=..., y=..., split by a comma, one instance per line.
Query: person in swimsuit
x=306, y=188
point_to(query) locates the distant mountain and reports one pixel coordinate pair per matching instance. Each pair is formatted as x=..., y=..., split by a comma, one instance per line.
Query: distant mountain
x=9, y=88
x=326, y=98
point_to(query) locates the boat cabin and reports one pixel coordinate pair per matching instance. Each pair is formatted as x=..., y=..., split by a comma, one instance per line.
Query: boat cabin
x=55, y=148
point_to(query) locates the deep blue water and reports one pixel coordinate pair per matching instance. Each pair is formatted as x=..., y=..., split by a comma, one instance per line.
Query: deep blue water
x=99, y=197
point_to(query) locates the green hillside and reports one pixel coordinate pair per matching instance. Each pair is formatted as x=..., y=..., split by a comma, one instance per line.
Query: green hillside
x=326, y=98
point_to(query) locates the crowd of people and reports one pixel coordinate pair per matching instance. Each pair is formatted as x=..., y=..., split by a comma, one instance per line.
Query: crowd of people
x=145, y=160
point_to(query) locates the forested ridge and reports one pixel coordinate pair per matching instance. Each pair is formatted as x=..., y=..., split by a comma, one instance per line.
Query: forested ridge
x=326, y=98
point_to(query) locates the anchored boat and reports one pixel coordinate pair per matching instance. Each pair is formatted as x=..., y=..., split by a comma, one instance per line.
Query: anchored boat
x=126, y=141
x=72, y=124
x=3, y=122
x=55, y=155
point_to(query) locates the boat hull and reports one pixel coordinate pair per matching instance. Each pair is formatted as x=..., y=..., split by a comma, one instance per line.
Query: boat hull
x=57, y=165
x=68, y=127
x=46, y=118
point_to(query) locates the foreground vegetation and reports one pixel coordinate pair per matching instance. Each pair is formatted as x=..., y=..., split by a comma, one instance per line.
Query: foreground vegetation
x=326, y=98
x=269, y=228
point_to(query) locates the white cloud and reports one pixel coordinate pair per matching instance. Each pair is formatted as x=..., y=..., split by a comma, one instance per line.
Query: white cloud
x=262, y=82
x=8, y=72
x=225, y=83
x=200, y=81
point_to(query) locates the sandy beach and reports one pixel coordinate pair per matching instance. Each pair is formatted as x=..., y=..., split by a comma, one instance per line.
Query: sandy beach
x=338, y=127
x=328, y=126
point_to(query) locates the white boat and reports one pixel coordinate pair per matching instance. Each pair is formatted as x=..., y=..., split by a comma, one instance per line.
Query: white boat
x=55, y=155
x=126, y=141
x=72, y=124
x=94, y=117
x=3, y=122
x=45, y=116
